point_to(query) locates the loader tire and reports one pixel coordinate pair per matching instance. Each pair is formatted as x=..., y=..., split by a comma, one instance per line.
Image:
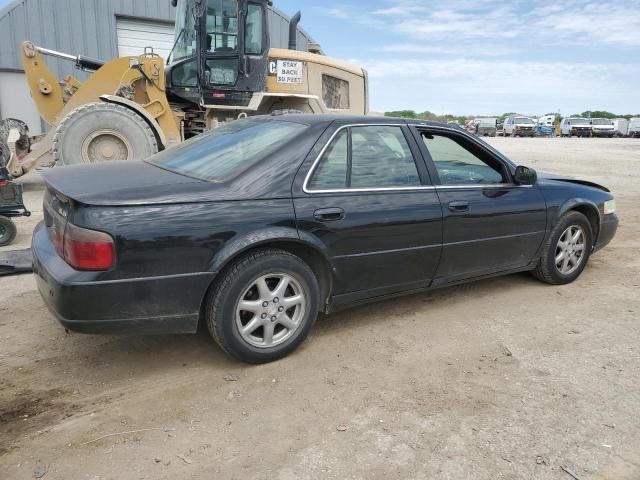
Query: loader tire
x=99, y=132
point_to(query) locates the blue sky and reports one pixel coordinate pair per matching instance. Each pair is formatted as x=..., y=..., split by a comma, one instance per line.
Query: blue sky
x=485, y=57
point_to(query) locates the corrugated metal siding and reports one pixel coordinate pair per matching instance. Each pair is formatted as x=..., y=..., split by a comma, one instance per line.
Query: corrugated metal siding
x=88, y=27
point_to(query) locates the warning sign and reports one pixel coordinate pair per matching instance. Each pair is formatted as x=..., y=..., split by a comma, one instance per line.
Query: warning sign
x=289, y=72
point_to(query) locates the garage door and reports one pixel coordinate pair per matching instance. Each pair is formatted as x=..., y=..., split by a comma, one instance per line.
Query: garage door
x=134, y=35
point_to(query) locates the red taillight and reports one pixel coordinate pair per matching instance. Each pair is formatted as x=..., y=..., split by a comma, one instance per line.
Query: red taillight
x=3, y=183
x=87, y=249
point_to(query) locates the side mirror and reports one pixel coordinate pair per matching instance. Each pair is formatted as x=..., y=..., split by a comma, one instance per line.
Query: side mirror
x=174, y=3
x=525, y=176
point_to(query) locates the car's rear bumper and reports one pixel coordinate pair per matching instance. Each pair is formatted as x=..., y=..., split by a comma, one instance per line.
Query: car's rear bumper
x=156, y=305
x=607, y=231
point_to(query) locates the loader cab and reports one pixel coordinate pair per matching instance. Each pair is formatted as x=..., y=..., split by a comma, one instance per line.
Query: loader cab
x=220, y=54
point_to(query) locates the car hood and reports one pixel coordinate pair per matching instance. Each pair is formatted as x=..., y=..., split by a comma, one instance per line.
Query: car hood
x=558, y=178
x=124, y=183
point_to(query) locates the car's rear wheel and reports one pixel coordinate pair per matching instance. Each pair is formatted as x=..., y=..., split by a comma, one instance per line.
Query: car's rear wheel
x=566, y=251
x=8, y=231
x=263, y=306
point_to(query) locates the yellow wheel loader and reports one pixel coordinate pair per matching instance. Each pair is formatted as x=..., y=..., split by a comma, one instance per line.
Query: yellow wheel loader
x=221, y=68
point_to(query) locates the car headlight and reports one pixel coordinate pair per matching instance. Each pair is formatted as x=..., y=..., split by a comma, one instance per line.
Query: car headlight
x=609, y=207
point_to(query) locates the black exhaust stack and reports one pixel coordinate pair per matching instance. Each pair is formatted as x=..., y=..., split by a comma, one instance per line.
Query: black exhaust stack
x=293, y=31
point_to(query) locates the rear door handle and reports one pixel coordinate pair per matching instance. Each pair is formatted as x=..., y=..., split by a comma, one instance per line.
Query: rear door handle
x=459, y=207
x=329, y=214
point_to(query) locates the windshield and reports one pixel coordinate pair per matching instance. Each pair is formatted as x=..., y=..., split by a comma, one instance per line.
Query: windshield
x=524, y=121
x=228, y=150
x=580, y=121
x=601, y=121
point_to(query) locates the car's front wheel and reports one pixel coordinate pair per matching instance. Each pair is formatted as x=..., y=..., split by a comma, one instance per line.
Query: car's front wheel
x=566, y=251
x=263, y=306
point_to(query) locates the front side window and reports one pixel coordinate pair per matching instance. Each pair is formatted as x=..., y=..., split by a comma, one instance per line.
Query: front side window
x=254, y=30
x=222, y=26
x=379, y=157
x=228, y=150
x=456, y=165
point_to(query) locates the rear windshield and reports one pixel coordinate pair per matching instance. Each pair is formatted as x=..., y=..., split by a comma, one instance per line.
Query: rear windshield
x=227, y=150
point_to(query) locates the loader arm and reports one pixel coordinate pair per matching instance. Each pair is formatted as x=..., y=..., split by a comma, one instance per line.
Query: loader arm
x=139, y=80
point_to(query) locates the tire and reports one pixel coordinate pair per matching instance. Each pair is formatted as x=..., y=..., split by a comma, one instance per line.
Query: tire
x=547, y=269
x=8, y=231
x=239, y=282
x=100, y=132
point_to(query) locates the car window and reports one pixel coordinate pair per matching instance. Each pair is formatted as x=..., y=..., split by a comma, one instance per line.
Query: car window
x=380, y=157
x=331, y=173
x=456, y=165
x=228, y=150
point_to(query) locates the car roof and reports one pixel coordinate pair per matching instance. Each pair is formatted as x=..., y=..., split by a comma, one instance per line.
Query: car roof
x=313, y=119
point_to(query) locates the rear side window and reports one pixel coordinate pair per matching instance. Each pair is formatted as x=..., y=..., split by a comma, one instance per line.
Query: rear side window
x=227, y=150
x=366, y=157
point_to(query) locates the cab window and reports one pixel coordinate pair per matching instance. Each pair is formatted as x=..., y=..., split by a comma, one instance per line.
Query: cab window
x=254, y=30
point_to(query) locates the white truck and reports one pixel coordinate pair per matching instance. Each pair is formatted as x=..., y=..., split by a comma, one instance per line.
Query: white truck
x=634, y=127
x=621, y=127
x=602, y=127
x=547, y=121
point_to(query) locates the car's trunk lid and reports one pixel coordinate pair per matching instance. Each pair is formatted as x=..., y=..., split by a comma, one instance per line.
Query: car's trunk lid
x=123, y=183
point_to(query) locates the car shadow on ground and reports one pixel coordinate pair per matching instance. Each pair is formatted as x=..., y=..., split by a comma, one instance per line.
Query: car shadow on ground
x=149, y=353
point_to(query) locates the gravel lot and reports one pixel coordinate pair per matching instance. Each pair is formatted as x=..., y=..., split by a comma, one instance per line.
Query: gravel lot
x=501, y=379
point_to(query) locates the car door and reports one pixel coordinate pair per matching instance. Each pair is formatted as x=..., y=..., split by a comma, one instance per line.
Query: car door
x=490, y=224
x=367, y=197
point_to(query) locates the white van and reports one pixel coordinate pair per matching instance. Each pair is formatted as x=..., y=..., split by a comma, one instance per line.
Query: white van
x=602, y=127
x=575, y=127
x=519, y=127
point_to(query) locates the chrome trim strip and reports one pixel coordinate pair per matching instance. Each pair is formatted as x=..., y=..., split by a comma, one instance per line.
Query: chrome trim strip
x=389, y=189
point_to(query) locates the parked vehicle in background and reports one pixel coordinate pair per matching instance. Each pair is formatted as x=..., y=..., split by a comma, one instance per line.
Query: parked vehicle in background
x=519, y=127
x=500, y=128
x=257, y=226
x=634, y=128
x=486, y=127
x=621, y=127
x=602, y=127
x=575, y=127
x=547, y=121
x=544, y=131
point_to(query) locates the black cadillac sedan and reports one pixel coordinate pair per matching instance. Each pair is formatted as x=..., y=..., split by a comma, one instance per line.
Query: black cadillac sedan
x=258, y=226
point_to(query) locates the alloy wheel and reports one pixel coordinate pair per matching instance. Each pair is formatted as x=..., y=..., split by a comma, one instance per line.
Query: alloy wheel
x=270, y=310
x=570, y=250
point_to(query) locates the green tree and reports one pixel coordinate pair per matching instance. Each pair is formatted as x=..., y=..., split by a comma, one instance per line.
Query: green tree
x=402, y=114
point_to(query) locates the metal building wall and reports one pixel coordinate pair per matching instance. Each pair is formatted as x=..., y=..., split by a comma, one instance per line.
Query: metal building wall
x=88, y=27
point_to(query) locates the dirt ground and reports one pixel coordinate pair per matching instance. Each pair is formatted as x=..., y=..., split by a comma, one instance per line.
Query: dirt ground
x=501, y=379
